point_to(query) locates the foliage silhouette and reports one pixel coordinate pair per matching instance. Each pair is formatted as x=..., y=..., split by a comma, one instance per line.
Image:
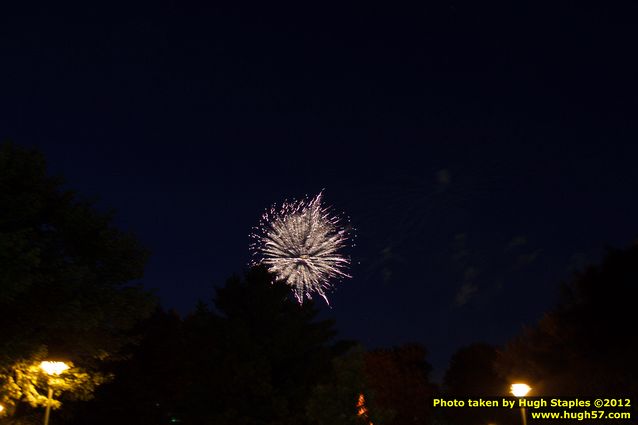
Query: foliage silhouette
x=472, y=373
x=335, y=401
x=585, y=344
x=65, y=274
x=253, y=359
x=399, y=379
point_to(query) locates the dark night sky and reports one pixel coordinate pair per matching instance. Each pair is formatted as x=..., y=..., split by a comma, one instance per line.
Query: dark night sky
x=484, y=152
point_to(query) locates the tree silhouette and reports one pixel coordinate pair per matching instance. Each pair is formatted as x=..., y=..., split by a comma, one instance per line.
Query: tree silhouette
x=253, y=359
x=585, y=344
x=65, y=271
x=276, y=351
x=149, y=385
x=472, y=372
x=346, y=397
x=399, y=378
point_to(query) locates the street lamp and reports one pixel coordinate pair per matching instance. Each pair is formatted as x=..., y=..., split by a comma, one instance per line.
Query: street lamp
x=521, y=390
x=52, y=369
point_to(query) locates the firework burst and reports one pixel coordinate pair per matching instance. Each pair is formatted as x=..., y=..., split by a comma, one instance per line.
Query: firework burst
x=301, y=243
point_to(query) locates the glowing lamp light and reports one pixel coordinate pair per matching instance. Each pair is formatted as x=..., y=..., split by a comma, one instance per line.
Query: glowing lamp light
x=54, y=368
x=1, y=408
x=520, y=390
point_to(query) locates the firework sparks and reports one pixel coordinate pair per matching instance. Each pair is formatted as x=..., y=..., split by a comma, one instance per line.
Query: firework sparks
x=301, y=242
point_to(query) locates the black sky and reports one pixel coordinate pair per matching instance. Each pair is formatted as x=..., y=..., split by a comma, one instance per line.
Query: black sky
x=484, y=152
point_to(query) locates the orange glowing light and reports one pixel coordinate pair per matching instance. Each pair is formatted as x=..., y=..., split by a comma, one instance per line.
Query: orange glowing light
x=362, y=410
x=361, y=407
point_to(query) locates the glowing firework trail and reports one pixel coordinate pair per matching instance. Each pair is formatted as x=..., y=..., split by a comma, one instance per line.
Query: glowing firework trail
x=301, y=244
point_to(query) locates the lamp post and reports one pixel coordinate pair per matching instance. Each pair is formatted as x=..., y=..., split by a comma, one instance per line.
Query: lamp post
x=51, y=369
x=521, y=390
